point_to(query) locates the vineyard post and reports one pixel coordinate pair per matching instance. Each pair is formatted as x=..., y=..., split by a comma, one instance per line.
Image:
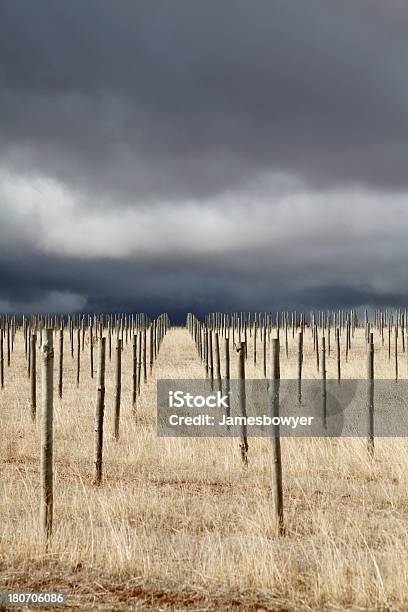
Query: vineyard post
x=100, y=408
x=300, y=364
x=217, y=359
x=118, y=385
x=324, y=386
x=61, y=360
x=46, y=465
x=242, y=399
x=338, y=354
x=33, y=374
x=370, y=398
x=227, y=374
x=134, y=371
x=1, y=359
x=277, y=489
x=78, y=355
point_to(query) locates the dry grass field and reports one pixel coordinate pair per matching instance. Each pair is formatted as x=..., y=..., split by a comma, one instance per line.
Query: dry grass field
x=181, y=523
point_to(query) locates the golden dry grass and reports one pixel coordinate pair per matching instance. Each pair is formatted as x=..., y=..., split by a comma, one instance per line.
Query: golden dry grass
x=180, y=523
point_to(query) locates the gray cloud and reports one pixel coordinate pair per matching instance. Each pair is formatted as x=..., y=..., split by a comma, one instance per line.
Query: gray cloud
x=190, y=136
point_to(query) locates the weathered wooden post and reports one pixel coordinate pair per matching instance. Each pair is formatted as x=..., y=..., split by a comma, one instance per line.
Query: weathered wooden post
x=46, y=462
x=118, y=387
x=277, y=488
x=1, y=360
x=139, y=362
x=8, y=344
x=211, y=358
x=134, y=371
x=61, y=361
x=100, y=409
x=242, y=400
x=151, y=347
x=78, y=355
x=324, y=385
x=300, y=364
x=227, y=375
x=338, y=353
x=91, y=360
x=144, y=356
x=33, y=375
x=370, y=398
x=264, y=351
x=217, y=359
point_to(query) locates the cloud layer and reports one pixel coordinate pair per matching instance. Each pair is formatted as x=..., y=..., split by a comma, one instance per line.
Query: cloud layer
x=203, y=155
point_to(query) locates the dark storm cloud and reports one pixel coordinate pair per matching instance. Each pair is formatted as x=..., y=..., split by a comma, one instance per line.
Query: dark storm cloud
x=202, y=155
x=186, y=99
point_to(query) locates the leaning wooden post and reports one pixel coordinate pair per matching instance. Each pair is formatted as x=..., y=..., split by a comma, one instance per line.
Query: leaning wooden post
x=46, y=465
x=33, y=375
x=370, y=398
x=242, y=399
x=277, y=489
x=100, y=409
x=118, y=387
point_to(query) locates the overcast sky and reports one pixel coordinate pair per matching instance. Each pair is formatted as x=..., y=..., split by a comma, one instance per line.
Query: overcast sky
x=181, y=154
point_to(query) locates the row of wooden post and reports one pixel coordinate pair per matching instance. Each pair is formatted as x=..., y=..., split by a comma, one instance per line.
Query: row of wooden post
x=196, y=328
x=158, y=328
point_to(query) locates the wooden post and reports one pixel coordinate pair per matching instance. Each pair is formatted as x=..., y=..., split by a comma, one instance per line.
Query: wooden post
x=242, y=399
x=227, y=375
x=370, y=398
x=211, y=358
x=33, y=375
x=144, y=356
x=46, y=464
x=8, y=344
x=300, y=364
x=264, y=351
x=78, y=355
x=139, y=362
x=217, y=359
x=134, y=371
x=91, y=349
x=118, y=387
x=100, y=409
x=61, y=361
x=277, y=488
x=151, y=347
x=1, y=360
x=338, y=353
x=324, y=386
